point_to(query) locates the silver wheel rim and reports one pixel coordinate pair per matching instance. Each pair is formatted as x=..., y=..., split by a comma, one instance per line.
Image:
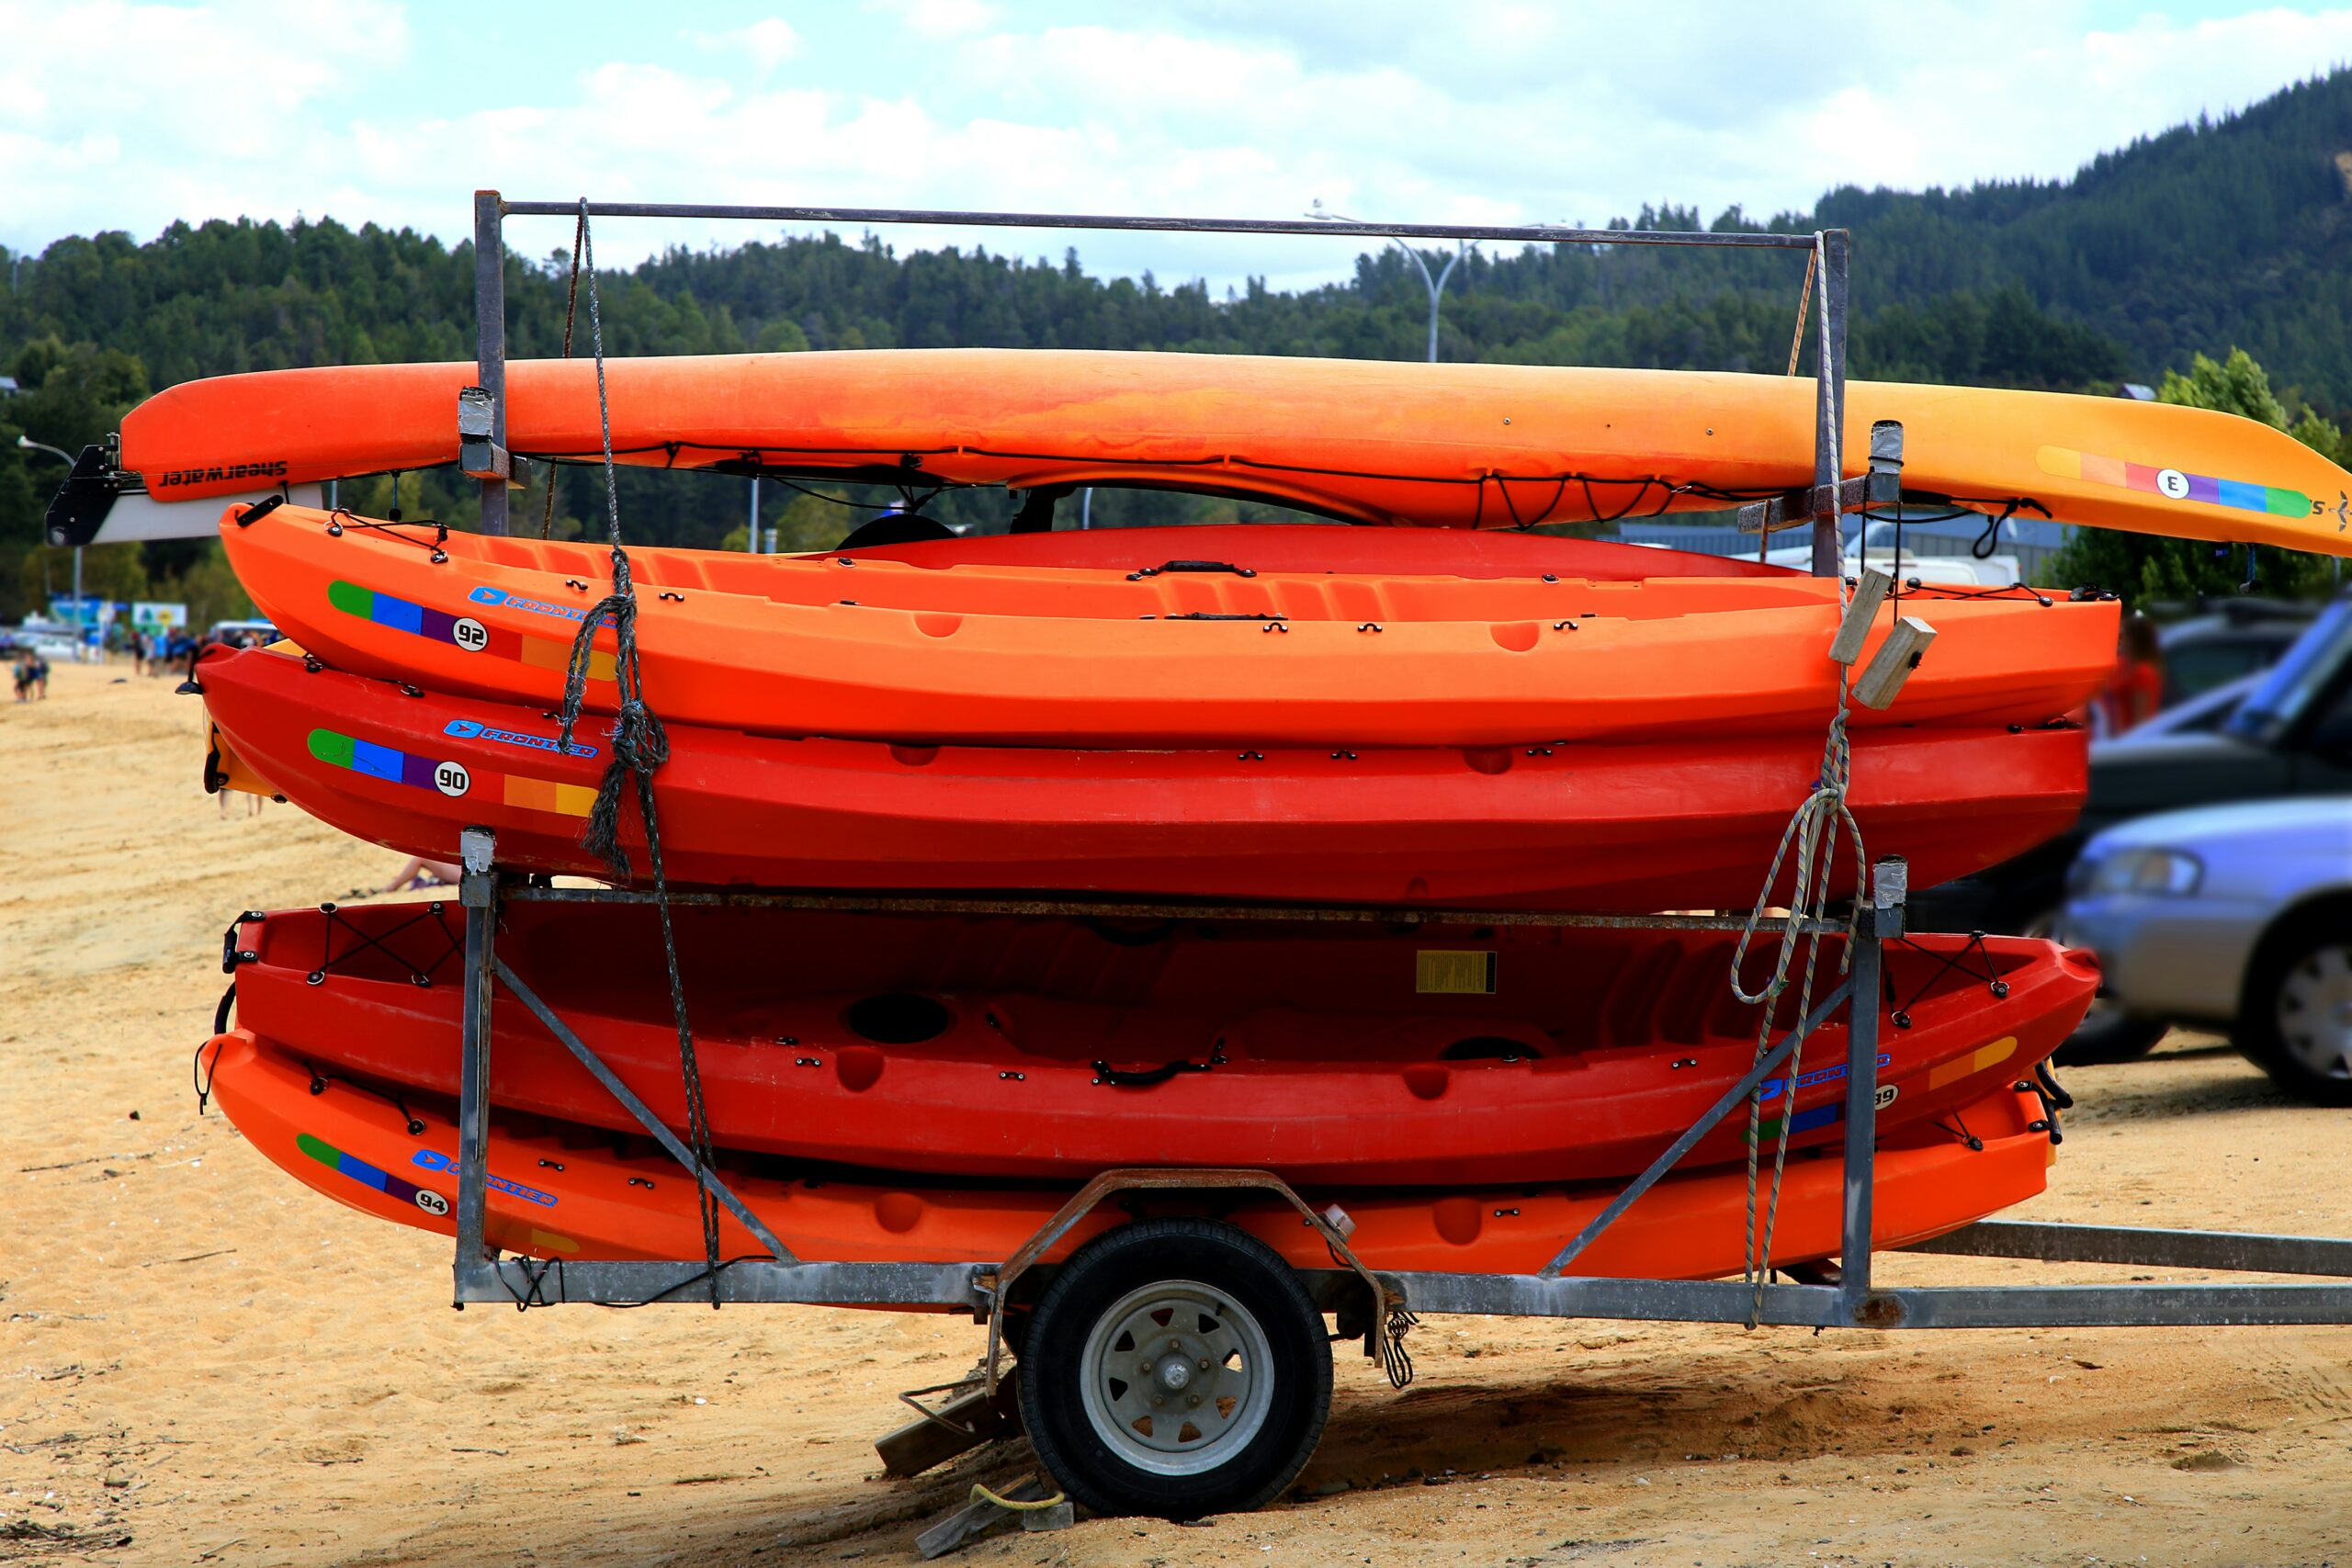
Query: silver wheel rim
x=2314, y=1011
x=1176, y=1378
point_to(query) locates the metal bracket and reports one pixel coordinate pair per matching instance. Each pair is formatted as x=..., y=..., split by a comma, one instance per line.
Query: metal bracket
x=1142, y=1178
x=480, y=454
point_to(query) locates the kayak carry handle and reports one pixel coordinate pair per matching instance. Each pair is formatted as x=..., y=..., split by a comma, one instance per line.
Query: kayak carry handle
x=1146, y=1077
x=1203, y=566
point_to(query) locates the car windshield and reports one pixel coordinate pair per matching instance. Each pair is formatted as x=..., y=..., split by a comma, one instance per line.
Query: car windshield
x=2281, y=697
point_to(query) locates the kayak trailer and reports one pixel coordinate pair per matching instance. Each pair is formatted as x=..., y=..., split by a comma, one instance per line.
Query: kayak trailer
x=1079, y=1317
x=1114, y=1281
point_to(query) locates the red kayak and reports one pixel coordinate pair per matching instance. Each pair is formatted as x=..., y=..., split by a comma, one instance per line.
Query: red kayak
x=1630, y=827
x=1038, y=1048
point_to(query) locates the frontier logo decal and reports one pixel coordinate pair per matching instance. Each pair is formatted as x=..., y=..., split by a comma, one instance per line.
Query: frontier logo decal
x=487, y=595
x=222, y=473
x=467, y=729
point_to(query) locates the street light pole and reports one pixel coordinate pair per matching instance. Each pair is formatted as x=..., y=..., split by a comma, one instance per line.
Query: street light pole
x=29, y=445
x=1436, y=285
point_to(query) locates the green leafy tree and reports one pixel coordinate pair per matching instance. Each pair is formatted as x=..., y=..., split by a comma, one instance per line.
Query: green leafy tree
x=2143, y=566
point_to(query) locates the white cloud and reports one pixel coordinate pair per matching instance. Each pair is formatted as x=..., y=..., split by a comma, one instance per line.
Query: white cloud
x=938, y=18
x=121, y=115
x=767, y=43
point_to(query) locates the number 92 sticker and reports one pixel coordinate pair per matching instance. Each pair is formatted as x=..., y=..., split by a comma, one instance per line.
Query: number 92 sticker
x=470, y=634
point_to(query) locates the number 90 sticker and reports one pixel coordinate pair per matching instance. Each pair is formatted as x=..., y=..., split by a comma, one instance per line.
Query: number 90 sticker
x=432, y=1202
x=473, y=636
x=451, y=779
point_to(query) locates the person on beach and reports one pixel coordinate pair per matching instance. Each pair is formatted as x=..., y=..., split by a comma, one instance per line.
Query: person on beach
x=420, y=872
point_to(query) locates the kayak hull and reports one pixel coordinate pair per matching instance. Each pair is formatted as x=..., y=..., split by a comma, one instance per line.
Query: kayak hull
x=1460, y=446
x=1612, y=827
x=567, y=1192
x=1050, y=1047
x=846, y=647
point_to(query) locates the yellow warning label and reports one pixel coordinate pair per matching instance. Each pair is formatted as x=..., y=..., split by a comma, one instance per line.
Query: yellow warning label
x=1453, y=972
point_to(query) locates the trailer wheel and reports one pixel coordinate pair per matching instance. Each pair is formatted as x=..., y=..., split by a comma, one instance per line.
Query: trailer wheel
x=1177, y=1368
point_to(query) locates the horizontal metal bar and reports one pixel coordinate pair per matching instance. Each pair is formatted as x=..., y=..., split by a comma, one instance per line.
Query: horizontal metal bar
x=2109, y=1306
x=643, y=1113
x=1819, y=1306
x=2238, y=1251
x=1655, y=1301
x=752, y=1280
x=858, y=903
x=1529, y=233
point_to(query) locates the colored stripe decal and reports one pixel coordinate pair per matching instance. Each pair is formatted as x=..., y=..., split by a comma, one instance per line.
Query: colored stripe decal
x=2172, y=484
x=395, y=613
x=360, y=1171
x=424, y=773
x=1982, y=1059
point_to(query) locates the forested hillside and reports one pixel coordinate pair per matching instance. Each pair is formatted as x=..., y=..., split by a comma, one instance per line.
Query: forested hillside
x=2236, y=232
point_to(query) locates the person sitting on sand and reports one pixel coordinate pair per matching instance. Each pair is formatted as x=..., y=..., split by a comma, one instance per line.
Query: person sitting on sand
x=420, y=872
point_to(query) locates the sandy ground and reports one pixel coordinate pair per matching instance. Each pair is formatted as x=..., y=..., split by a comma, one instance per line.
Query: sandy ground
x=203, y=1362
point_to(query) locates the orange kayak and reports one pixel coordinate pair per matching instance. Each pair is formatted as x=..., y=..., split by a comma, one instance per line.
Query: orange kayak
x=1460, y=446
x=563, y=1192
x=1212, y=653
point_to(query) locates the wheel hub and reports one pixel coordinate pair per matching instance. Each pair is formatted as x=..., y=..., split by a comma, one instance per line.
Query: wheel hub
x=1178, y=1378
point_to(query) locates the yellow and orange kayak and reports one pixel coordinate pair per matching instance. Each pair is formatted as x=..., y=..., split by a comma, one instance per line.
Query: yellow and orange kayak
x=1217, y=655
x=561, y=1190
x=1457, y=445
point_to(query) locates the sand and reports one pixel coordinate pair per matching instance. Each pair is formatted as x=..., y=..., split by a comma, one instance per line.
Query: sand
x=201, y=1361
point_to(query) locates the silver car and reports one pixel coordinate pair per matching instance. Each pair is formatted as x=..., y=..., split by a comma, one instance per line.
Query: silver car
x=2237, y=918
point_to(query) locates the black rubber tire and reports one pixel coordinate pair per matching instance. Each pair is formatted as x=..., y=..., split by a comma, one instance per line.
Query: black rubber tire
x=2257, y=1036
x=2110, y=1037
x=1089, y=1284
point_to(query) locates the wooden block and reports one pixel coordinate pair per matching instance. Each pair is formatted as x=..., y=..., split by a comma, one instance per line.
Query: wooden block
x=920, y=1444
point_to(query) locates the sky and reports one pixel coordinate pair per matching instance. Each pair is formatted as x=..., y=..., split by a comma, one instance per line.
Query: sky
x=116, y=114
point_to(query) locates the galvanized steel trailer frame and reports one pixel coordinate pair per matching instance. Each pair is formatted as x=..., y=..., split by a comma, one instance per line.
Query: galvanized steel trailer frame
x=1854, y=1300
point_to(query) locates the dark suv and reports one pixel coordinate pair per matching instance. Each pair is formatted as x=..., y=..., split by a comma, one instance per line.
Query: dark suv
x=2290, y=735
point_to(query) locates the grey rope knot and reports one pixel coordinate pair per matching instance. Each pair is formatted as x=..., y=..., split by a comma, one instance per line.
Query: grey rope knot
x=640, y=743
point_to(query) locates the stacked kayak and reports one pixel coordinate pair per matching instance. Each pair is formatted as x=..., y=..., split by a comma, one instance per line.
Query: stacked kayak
x=563, y=1192
x=1393, y=718
x=1403, y=445
x=1592, y=825
x=1168, y=652
x=958, y=1045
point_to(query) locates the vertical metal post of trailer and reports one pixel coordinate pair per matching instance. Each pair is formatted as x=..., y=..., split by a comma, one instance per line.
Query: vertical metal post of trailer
x=1829, y=400
x=490, y=330
x=1861, y=1111
x=477, y=894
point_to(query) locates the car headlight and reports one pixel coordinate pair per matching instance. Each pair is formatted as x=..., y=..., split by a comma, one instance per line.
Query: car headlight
x=2173, y=872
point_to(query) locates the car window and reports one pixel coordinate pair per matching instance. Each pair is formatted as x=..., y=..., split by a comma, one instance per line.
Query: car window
x=2297, y=678
x=2205, y=664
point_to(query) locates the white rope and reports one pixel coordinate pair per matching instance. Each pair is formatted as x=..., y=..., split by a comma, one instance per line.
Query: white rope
x=1813, y=831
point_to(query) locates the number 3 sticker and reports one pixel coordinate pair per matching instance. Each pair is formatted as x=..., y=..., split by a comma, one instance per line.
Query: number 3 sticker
x=469, y=635
x=2171, y=482
x=450, y=779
